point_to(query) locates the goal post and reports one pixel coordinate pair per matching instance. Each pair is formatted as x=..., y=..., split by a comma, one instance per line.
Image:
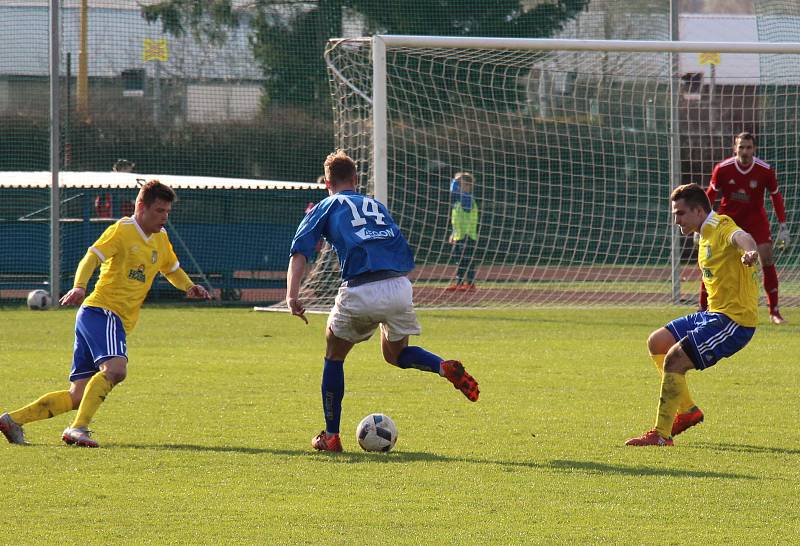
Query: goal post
x=574, y=147
x=379, y=118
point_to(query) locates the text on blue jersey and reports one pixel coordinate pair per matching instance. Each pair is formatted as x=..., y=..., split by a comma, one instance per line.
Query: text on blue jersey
x=362, y=232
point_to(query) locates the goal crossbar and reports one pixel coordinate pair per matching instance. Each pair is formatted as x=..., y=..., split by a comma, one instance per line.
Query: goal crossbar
x=550, y=44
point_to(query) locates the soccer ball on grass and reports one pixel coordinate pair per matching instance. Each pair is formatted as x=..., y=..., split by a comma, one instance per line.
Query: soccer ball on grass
x=376, y=432
x=39, y=300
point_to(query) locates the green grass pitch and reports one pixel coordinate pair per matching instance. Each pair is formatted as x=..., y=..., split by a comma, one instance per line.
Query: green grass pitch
x=208, y=440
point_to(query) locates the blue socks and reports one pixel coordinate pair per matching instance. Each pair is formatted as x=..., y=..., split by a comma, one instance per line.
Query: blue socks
x=332, y=394
x=419, y=358
x=333, y=381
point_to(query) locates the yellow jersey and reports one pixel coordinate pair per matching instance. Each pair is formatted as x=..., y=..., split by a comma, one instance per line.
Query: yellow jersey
x=130, y=261
x=732, y=286
x=465, y=224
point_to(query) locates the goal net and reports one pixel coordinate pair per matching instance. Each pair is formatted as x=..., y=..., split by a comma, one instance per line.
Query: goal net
x=574, y=147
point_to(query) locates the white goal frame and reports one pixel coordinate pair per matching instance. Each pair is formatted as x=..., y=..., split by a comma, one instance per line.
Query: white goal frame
x=380, y=44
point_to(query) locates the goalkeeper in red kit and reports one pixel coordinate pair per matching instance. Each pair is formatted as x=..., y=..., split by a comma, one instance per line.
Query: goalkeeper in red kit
x=742, y=181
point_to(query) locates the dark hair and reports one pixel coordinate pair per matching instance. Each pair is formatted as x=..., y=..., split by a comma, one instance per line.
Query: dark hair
x=693, y=195
x=123, y=165
x=153, y=190
x=339, y=168
x=744, y=135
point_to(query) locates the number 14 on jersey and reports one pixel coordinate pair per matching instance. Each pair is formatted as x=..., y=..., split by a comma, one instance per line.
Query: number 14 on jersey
x=369, y=208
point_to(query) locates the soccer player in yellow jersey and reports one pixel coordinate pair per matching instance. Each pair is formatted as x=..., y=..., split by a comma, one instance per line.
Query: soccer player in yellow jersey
x=726, y=257
x=130, y=254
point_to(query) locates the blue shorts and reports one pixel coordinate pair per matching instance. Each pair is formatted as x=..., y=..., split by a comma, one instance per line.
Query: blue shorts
x=706, y=337
x=99, y=335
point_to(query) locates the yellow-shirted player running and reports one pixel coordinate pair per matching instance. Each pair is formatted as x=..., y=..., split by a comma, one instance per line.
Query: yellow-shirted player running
x=130, y=254
x=726, y=257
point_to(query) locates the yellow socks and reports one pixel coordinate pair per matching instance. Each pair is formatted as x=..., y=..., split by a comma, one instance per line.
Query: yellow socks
x=673, y=389
x=49, y=405
x=56, y=403
x=658, y=360
x=686, y=403
x=96, y=390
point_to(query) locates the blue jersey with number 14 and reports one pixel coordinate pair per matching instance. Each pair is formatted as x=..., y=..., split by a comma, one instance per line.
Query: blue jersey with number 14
x=362, y=232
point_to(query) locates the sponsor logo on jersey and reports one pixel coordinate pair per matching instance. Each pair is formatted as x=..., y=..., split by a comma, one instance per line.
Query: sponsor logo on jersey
x=366, y=234
x=154, y=257
x=741, y=196
x=137, y=274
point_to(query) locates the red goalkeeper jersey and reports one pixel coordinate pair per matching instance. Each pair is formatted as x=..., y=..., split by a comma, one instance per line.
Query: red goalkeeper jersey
x=742, y=190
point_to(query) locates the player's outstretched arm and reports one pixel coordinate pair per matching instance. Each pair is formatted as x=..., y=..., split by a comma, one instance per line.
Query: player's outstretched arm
x=85, y=270
x=297, y=265
x=181, y=280
x=745, y=242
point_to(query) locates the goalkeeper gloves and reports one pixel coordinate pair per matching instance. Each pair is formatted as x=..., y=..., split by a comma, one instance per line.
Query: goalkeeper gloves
x=782, y=239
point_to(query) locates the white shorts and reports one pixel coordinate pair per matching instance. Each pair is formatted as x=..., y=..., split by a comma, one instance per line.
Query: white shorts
x=359, y=310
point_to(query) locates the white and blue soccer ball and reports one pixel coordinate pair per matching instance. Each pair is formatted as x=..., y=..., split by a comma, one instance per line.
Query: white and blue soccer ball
x=39, y=300
x=376, y=432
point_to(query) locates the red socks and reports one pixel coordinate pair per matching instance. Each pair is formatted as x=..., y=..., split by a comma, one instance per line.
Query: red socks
x=771, y=286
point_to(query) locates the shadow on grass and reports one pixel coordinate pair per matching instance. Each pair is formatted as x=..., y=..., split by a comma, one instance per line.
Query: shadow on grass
x=744, y=448
x=604, y=468
x=400, y=457
x=343, y=457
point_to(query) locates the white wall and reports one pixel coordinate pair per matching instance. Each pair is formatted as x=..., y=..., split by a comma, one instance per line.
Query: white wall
x=219, y=103
x=734, y=68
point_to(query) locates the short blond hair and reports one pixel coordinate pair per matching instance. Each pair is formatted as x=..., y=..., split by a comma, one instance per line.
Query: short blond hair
x=339, y=168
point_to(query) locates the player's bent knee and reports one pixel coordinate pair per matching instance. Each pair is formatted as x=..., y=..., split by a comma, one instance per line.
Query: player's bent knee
x=116, y=376
x=660, y=341
x=76, y=389
x=76, y=396
x=115, y=370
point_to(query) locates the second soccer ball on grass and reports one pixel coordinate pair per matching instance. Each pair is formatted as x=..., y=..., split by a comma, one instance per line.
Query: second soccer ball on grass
x=39, y=300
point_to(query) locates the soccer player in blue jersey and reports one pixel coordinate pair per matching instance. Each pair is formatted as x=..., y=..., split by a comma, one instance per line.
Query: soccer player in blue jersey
x=726, y=257
x=130, y=253
x=374, y=259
